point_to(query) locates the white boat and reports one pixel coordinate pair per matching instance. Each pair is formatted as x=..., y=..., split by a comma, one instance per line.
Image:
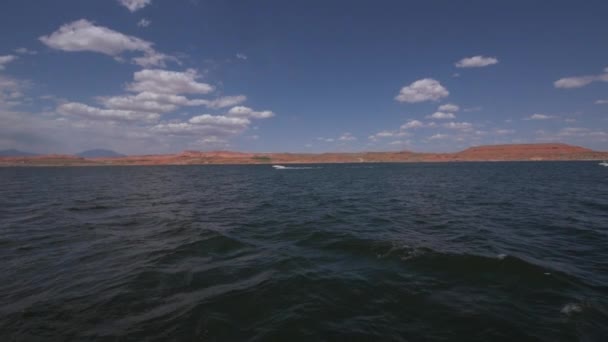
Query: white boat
x=279, y=167
x=604, y=163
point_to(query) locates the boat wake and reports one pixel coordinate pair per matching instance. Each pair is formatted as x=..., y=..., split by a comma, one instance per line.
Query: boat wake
x=281, y=167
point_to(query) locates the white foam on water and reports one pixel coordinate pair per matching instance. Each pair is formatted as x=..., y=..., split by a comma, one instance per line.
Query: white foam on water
x=571, y=308
x=281, y=167
x=501, y=256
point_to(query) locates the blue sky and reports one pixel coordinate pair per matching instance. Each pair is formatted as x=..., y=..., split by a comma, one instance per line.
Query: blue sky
x=158, y=76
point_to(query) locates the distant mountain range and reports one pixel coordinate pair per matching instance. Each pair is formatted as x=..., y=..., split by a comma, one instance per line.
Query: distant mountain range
x=99, y=153
x=94, y=153
x=16, y=153
x=518, y=152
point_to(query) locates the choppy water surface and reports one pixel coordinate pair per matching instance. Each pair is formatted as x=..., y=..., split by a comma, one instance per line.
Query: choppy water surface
x=431, y=252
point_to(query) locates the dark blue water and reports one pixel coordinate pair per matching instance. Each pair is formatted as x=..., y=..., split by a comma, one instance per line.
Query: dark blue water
x=404, y=252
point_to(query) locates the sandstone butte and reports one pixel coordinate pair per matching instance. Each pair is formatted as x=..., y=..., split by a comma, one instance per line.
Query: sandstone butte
x=516, y=152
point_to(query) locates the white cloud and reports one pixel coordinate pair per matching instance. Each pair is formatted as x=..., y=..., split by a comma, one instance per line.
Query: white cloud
x=464, y=126
x=379, y=135
x=438, y=136
x=202, y=129
x=448, y=107
x=143, y=22
x=412, y=124
x=246, y=112
x=134, y=5
x=212, y=140
x=441, y=116
x=93, y=113
x=83, y=35
x=574, y=82
x=601, y=102
x=387, y=134
x=210, y=126
x=219, y=120
x=25, y=51
x=539, y=117
x=476, y=62
x=226, y=101
x=426, y=89
x=504, y=131
x=168, y=82
x=5, y=60
x=576, y=133
x=241, y=56
x=147, y=102
x=347, y=137
x=10, y=91
x=326, y=139
x=164, y=103
x=580, y=81
x=154, y=58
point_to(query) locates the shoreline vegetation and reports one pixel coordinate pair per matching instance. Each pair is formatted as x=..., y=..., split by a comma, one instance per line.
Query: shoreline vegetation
x=497, y=153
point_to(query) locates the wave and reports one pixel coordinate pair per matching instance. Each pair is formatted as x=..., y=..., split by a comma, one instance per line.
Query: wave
x=281, y=167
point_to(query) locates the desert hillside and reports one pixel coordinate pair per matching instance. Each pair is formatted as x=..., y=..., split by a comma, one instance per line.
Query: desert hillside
x=514, y=152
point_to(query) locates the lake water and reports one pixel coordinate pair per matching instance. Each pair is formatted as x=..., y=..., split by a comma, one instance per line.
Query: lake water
x=411, y=252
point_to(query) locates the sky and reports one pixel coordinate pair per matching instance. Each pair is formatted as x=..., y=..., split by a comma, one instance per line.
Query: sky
x=160, y=76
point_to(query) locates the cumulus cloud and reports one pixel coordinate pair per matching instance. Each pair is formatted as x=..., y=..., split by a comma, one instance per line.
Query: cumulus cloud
x=580, y=81
x=10, y=91
x=347, y=137
x=412, y=124
x=379, y=135
x=153, y=58
x=4, y=60
x=504, y=131
x=601, y=102
x=246, y=112
x=146, y=101
x=574, y=82
x=161, y=91
x=219, y=120
x=241, y=56
x=426, y=89
x=168, y=82
x=134, y=5
x=464, y=126
x=83, y=35
x=441, y=116
x=25, y=51
x=211, y=126
x=93, y=113
x=438, y=136
x=539, y=117
x=476, y=62
x=226, y=101
x=387, y=134
x=448, y=107
x=143, y=22
x=201, y=130
x=164, y=103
